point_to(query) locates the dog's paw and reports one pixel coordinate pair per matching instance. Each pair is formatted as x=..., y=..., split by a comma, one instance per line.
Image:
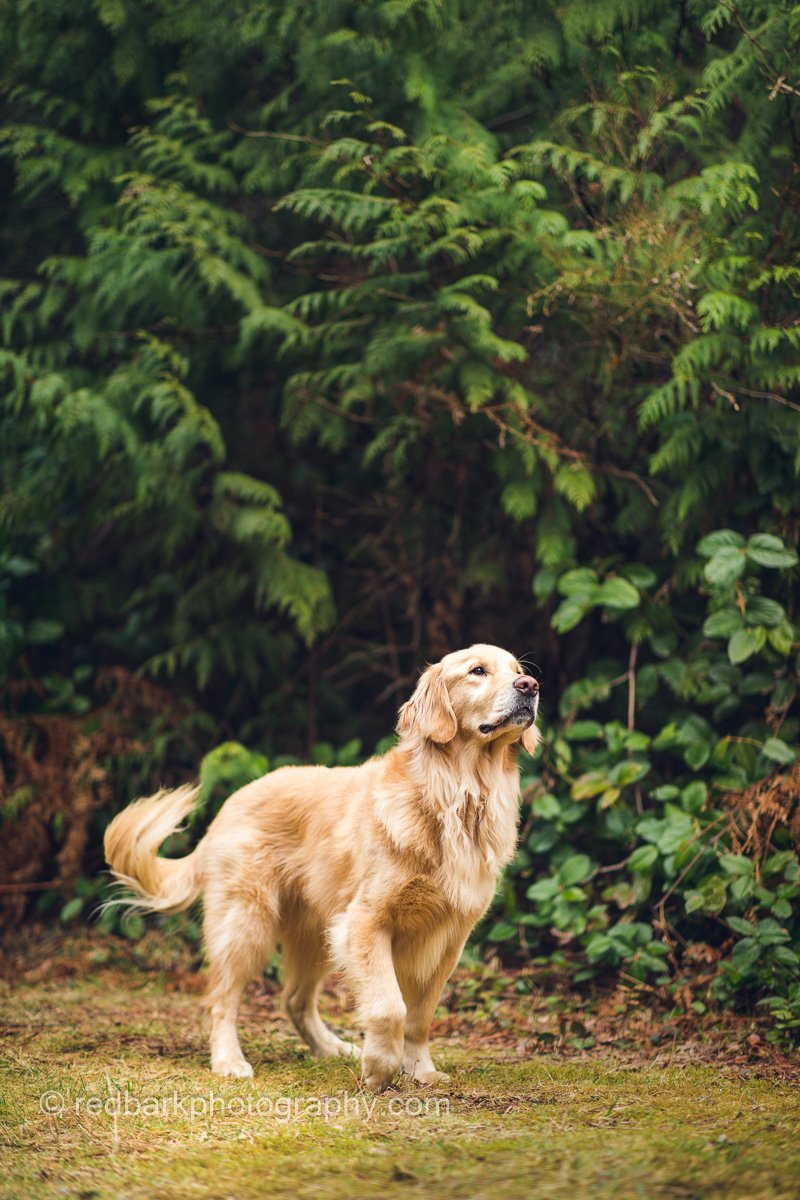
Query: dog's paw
x=347, y=1049
x=238, y=1068
x=378, y=1073
x=430, y=1077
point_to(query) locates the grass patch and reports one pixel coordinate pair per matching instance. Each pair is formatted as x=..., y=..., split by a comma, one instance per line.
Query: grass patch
x=513, y=1123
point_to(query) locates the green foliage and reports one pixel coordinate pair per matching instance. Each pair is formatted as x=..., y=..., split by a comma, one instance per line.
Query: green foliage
x=635, y=842
x=410, y=324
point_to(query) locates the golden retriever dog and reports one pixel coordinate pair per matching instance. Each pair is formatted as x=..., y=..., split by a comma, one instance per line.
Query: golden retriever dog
x=379, y=870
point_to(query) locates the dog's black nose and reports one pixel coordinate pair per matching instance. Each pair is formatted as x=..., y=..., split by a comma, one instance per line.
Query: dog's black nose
x=525, y=683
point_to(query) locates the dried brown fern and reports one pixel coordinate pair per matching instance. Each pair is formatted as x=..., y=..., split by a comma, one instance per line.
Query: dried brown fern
x=757, y=811
x=56, y=771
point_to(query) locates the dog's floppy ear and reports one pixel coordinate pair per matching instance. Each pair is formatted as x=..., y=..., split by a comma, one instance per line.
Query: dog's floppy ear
x=429, y=711
x=530, y=739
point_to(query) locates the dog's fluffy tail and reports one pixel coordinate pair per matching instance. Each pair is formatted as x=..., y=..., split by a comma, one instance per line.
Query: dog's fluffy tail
x=131, y=845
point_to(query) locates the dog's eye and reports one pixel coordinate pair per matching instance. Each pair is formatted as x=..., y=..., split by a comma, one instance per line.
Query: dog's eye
x=477, y=671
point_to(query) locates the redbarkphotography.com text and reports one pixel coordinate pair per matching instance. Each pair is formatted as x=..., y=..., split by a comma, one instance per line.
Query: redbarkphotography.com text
x=210, y=1105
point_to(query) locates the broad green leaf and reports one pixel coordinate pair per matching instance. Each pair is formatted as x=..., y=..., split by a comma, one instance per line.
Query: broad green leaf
x=626, y=773
x=639, y=575
x=781, y=638
x=725, y=567
x=543, y=889
x=73, y=908
x=569, y=613
x=592, y=783
x=719, y=539
x=736, y=864
x=769, y=551
x=546, y=806
x=584, y=731
x=617, y=593
x=739, y=925
x=770, y=932
x=745, y=643
x=763, y=611
x=694, y=796
x=697, y=755
x=598, y=946
x=502, y=932
x=579, y=582
x=776, y=750
x=785, y=956
x=643, y=859
x=723, y=623
x=609, y=797
x=745, y=954
x=575, y=869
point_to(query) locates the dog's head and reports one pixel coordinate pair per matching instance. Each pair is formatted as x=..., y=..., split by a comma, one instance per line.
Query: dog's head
x=481, y=694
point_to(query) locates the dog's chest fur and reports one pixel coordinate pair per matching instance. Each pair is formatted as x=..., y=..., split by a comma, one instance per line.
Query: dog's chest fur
x=461, y=827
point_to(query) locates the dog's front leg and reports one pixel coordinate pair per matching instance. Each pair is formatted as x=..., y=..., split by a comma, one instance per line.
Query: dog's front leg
x=422, y=998
x=380, y=1001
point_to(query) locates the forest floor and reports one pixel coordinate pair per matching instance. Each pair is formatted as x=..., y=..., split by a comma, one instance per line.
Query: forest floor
x=105, y=1092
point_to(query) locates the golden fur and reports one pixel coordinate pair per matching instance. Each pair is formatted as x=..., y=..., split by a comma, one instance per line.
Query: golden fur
x=380, y=870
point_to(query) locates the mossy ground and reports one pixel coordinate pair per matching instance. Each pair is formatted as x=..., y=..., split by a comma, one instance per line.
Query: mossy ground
x=568, y=1121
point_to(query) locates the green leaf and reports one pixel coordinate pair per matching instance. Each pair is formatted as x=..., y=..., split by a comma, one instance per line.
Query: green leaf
x=617, y=593
x=697, y=755
x=546, y=806
x=769, y=551
x=725, y=567
x=770, y=932
x=745, y=643
x=543, y=889
x=72, y=909
x=569, y=613
x=575, y=869
x=584, y=731
x=736, y=864
x=713, y=893
x=776, y=750
x=762, y=611
x=598, y=946
x=133, y=926
x=781, y=638
x=501, y=932
x=592, y=783
x=626, y=773
x=723, y=623
x=643, y=859
x=739, y=925
x=745, y=954
x=578, y=582
x=785, y=956
x=639, y=575
x=694, y=796
x=544, y=582
x=712, y=542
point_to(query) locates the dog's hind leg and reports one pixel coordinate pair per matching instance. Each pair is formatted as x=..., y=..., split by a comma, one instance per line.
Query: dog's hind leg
x=240, y=937
x=305, y=962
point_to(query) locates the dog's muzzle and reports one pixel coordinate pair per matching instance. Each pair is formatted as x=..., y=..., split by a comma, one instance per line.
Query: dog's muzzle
x=522, y=714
